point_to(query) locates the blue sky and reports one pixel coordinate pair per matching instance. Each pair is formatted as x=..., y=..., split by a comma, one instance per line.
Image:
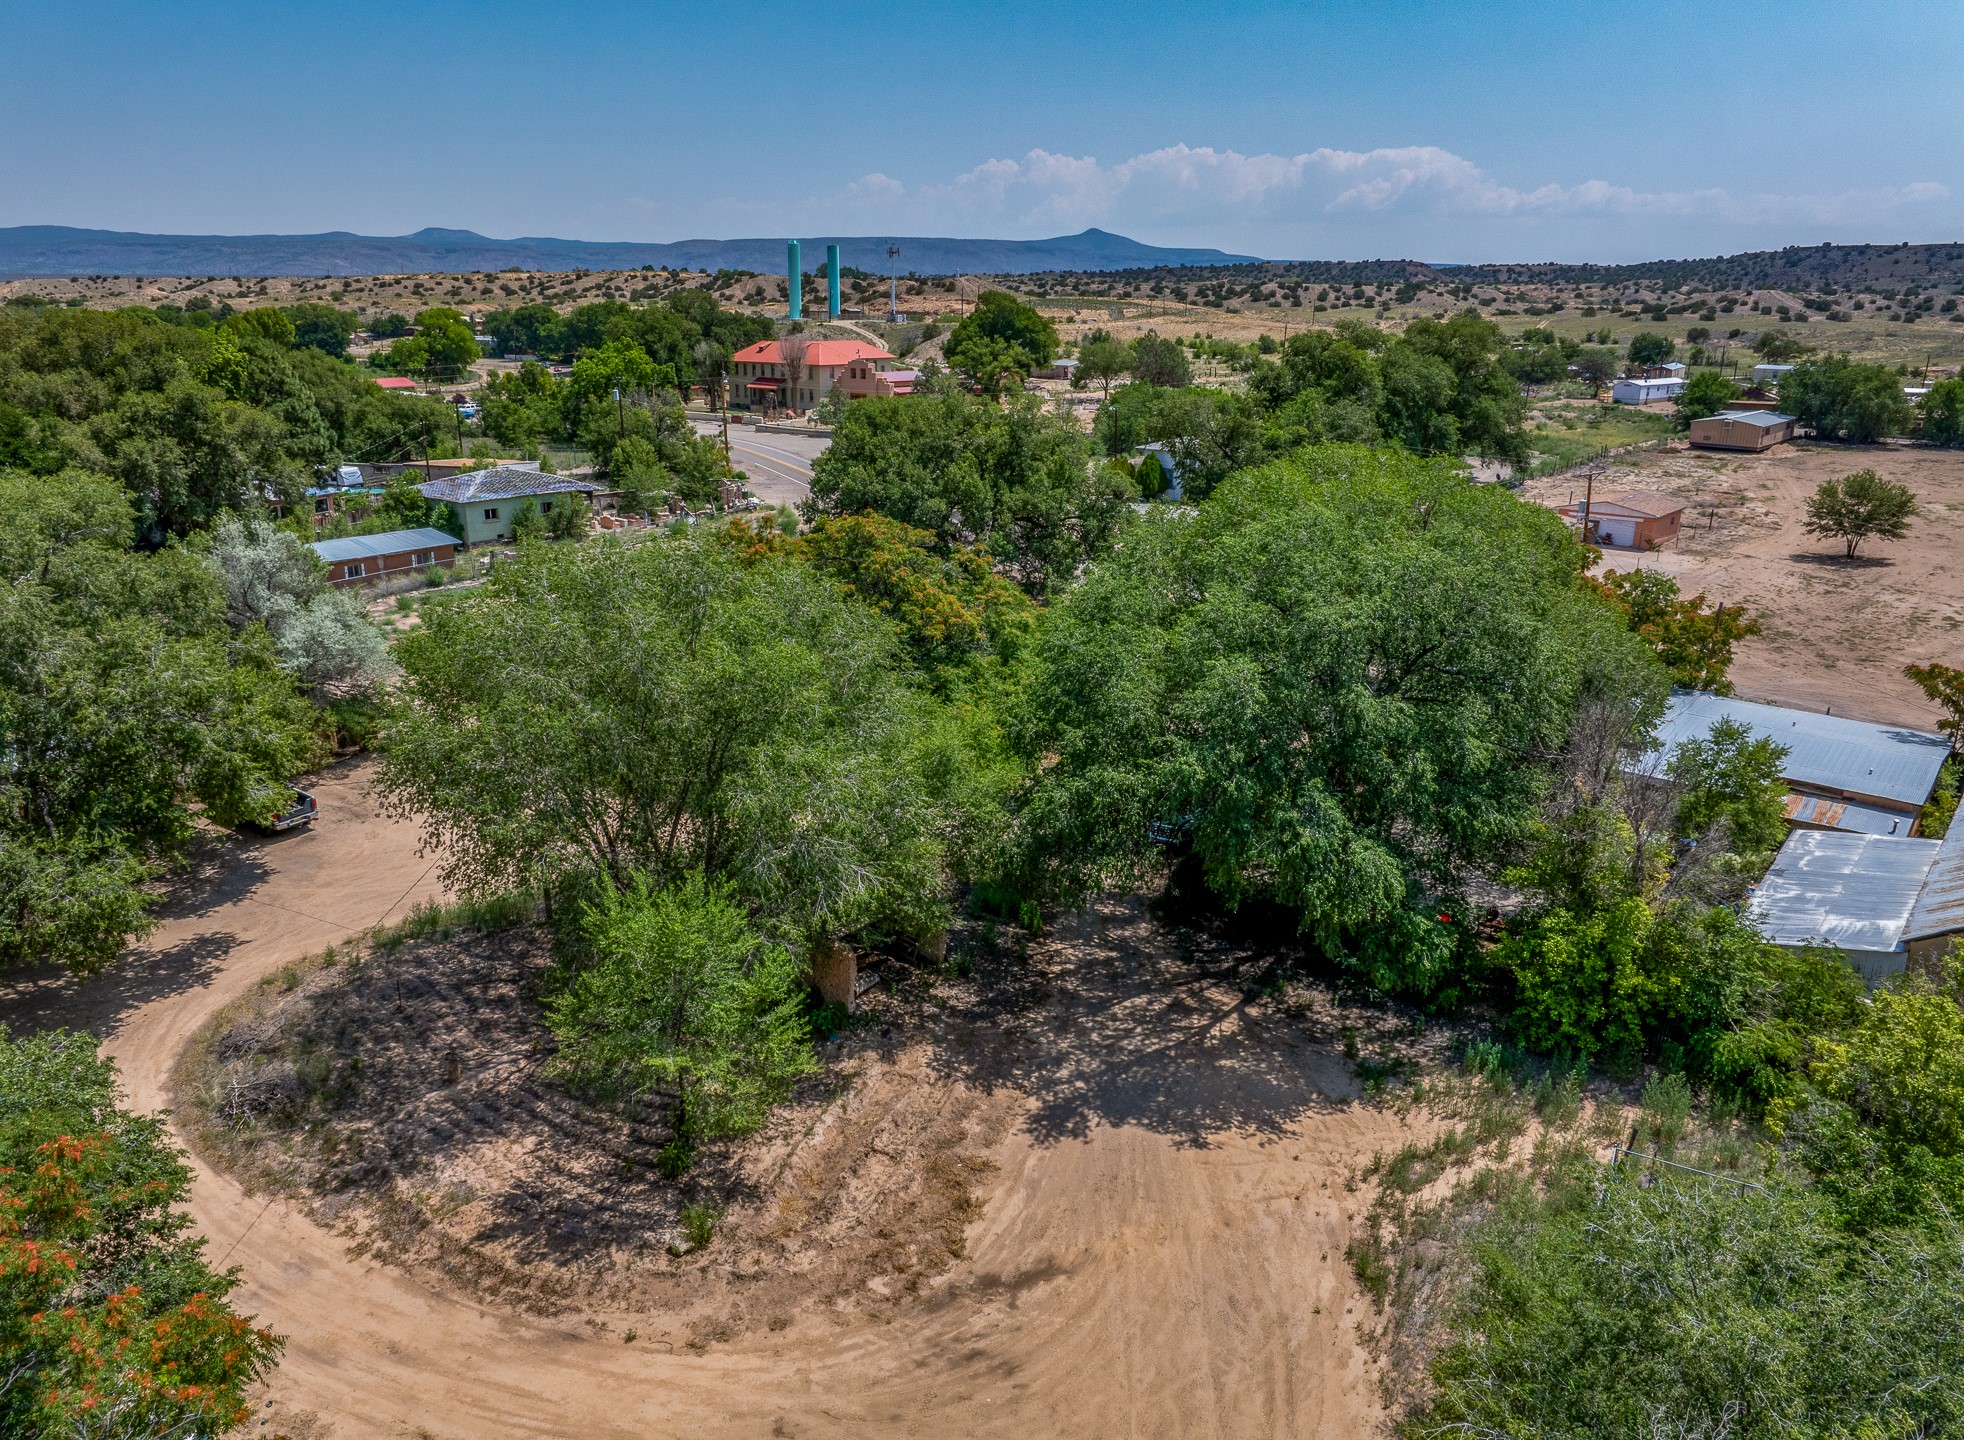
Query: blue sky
x=1439, y=131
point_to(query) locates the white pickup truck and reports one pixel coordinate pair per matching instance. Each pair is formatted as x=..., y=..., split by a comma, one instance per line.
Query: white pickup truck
x=300, y=810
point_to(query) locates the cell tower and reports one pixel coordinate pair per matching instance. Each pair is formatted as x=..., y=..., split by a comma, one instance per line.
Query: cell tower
x=893, y=285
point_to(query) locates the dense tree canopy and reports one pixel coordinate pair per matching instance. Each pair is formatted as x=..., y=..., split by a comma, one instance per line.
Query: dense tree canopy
x=1000, y=337
x=1012, y=480
x=125, y=700
x=1628, y=1305
x=1335, y=685
x=1705, y=393
x=667, y=331
x=1439, y=388
x=192, y=422
x=666, y=708
x=1842, y=399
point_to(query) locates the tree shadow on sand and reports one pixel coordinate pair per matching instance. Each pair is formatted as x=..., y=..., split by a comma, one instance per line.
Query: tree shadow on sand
x=219, y=868
x=47, y=997
x=1829, y=561
x=1118, y=1018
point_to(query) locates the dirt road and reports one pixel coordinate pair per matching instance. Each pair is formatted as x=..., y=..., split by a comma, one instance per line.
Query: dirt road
x=1837, y=635
x=1159, y=1253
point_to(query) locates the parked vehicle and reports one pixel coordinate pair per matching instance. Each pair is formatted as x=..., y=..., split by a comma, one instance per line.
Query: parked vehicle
x=300, y=810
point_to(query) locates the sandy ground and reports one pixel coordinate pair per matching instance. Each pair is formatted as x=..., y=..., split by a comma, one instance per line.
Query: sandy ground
x=1837, y=635
x=1159, y=1250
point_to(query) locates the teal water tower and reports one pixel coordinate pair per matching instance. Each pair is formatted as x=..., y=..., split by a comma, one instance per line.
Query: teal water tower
x=831, y=282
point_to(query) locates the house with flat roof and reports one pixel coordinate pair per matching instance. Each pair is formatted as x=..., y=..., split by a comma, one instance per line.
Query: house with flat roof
x=1742, y=429
x=354, y=559
x=861, y=379
x=1855, y=893
x=1841, y=774
x=486, y=502
x=764, y=376
x=1634, y=520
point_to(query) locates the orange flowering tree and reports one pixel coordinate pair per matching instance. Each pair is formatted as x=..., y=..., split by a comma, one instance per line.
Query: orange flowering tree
x=111, y=1323
x=1693, y=640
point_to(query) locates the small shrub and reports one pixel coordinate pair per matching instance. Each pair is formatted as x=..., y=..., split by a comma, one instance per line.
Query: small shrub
x=699, y=1224
x=1558, y=1099
x=1372, y=1270
x=1666, y=1110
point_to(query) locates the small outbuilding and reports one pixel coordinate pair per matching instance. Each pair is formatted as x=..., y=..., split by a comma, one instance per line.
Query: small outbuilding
x=1769, y=374
x=356, y=559
x=1752, y=430
x=1855, y=893
x=1634, y=520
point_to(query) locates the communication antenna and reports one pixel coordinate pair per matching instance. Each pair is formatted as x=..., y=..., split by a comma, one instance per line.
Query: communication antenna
x=893, y=285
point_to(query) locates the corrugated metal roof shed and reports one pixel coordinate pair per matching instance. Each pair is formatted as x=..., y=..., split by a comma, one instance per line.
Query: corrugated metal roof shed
x=1889, y=762
x=1827, y=887
x=373, y=547
x=1940, y=908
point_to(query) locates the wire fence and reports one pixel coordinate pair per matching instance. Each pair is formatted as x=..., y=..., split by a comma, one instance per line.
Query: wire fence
x=1621, y=1152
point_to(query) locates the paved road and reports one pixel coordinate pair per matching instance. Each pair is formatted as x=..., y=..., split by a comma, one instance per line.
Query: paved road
x=779, y=466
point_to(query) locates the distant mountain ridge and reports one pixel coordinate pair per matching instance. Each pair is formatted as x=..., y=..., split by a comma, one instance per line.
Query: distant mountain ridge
x=62, y=250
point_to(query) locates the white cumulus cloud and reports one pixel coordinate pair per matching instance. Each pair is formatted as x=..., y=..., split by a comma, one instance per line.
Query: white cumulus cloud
x=1187, y=192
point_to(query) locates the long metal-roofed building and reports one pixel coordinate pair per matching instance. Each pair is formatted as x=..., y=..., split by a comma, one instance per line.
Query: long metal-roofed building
x=1855, y=893
x=353, y=558
x=1841, y=774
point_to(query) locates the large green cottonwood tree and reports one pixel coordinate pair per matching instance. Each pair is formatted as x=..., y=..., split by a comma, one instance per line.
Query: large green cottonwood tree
x=1338, y=684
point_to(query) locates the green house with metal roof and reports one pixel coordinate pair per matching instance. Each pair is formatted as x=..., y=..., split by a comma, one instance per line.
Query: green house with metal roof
x=486, y=502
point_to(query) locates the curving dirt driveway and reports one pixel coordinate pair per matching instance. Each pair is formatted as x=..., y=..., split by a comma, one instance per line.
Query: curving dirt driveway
x=1160, y=1252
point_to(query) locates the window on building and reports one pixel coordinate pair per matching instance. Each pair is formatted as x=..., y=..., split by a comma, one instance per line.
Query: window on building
x=423, y=557
x=353, y=570
x=491, y=512
x=545, y=507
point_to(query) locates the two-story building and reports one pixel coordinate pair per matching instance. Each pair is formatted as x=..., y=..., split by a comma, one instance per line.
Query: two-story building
x=795, y=373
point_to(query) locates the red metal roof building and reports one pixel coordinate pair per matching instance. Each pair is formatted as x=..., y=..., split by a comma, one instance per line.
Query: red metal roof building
x=760, y=374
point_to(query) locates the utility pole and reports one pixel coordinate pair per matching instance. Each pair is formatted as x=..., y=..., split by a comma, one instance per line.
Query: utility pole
x=620, y=416
x=1588, y=499
x=893, y=285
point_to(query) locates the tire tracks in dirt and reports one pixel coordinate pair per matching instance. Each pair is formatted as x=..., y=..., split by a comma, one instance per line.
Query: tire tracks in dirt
x=1158, y=1253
